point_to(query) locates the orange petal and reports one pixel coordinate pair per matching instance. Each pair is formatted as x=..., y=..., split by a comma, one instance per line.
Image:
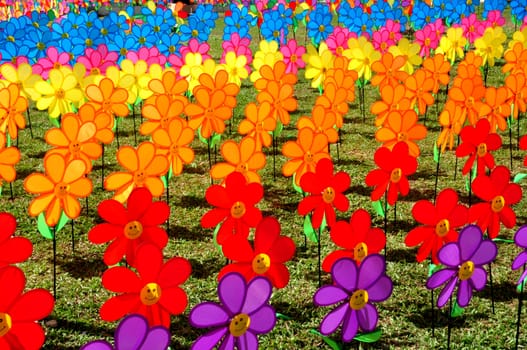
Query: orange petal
x=54, y=165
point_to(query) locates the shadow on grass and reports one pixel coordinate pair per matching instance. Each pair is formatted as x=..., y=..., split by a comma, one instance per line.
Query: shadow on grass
x=81, y=267
x=400, y=255
x=206, y=268
x=194, y=233
x=503, y=291
x=181, y=326
x=192, y=202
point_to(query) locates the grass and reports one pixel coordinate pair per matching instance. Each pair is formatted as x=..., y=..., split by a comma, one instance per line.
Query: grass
x=405, y=319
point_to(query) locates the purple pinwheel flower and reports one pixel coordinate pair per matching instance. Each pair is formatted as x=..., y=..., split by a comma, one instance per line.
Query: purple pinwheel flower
x=464, y=262
x=241, y=316
x=354, y=290
x=520, y=238
x=133, y=333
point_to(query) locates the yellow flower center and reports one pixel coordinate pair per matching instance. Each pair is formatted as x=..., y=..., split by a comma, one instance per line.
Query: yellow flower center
x=5, y=323
x=104, y=31
x=358, y=299
x=239, y=325
x=442, y=227
x=261, y=263
x=41, y=46
x=466, y=270
x=322, y=28
x=150, y=294
x=293, y=58
x=195, y=33
x=174, y=150
x=61, y=190
x=56, y=65
x=88, y=42
x=497, y=204
x=139, y=177
x=123, y=51
x=60, y=93
x=11, y=38
x=328, y=195
x=482, y=149
x=95, y=71
x=238, y=210
x=276, y=34
x=396, y=175
x=133, y=229
x=65, y=35
x=360, y=251
x=339, y=50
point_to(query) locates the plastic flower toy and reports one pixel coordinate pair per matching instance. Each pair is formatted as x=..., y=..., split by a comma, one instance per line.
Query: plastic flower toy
x=321, y=121
x=243, y=314
x=317, y=63
x=408, y=50
x=133, y=333
x=362, y=57
x=293, y=56
x=13, y=249
x=451, y=45
x=388, y=70
x=354, y=290
x=464, y=262
x=9, y=157
x=153, y=292
x=498, y=195
x=159, y=112
x=439, y=69
x=109, y=98
x=209, y=112
x=175, y=143
x=127, y=228
x=12, y=108
x=392, y=98
x=326, y=192
x=520, y=239
x=259, y=123
x=490, y=45
x=402, y=126
x=59, y=94
x=357, y=237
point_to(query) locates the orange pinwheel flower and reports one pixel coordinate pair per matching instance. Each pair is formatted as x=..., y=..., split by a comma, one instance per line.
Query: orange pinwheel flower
x=451, y=123
x=12, y=108
x=144, y=167
x=102, y=120
x=169, y=85
x=472, y=59
x=402, y=126
x=174, y=142
x=470, y=97
x=515, y=59
x=466, y=71
x=517, y=85
x=75, y=140
x=281, y=99
x=418, y=89
x=244, y=158
x=388, y=70
x=9, y=156
x=258, y=124
x=341, y=76
x=209, y=113
x=322, y=122
x=276, y=73
x=160, y=113
x=305, y=152
x=334, y=99
x=58, y=189
x=220, y=82
x=107, y=97
x=439, y=69
x=496, y=107
x=392, y=98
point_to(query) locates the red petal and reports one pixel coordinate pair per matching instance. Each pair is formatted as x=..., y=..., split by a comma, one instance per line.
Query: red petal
x=267, y=232
x=418, y=235
x=138, y=203
x=341, y=202
x=120, y=279
x=104, y=232
x=213, y=217
x=307, y=204
x=15, y=250
x=483, y=187
x=341, y=181
x=375, y=240
x=7, y=224
x=156, y=214
x=309, y=182
x=32, y=306
x=174, y=272
x=282, y=250
x=253, y=193
x=252, y=216
x=28, y=335
x=245, y=269
x=342, y=235
x=113, y=212
x=14, y=278
x=217, y=196
x=424, y=212
x=115, y=251
x=512, y=193
x=148, y=262
x=508, y=217
x=118, y=306
x=279, y=275
x=174, y=300
x=155, y=235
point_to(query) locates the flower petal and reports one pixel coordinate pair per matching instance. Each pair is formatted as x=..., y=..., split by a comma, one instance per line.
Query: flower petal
x=329, y=295
x=208, y=314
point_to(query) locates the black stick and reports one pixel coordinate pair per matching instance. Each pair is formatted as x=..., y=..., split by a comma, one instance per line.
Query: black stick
x=518, y=319
x=437, y=173
x=54, y=262
x=433, y=312
x=72, y=236
x=102, y=168
x=29, y=122
x=491, y=288
x=11, y=189
x=319, y=246
x=449, y=331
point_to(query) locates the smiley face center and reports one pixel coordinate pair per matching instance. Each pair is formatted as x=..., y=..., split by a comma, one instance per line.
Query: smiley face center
x=358, y=299
x=442, y=227
x=497, y=204
x=150, y=294
x=402, y=136
x=242, y=168
x=239, y=325
x=61, y=190
x=60, y=93
x=309, y=158
x=261, y=263
x=328, y=195
x=360, y=251
x=5, y=323
x=395, y=175
x=238, y=210
x=75, y=148
x=140, y=177
x=482, y=149
x=466, y=270
x=133, y=229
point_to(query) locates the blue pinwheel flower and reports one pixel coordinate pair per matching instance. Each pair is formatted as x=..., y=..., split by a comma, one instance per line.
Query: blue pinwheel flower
x=169, y=44
x=286, y=14
x=106, y=27
x=10, y=51
x=346, y=14
x=37, y=41
x=379, y=11
x=238, y=22
x=12, y=32
x=63, y=30
x=395, y=13
x=273, y=28
x=89, y=37
x=319, y=27
x=204, y=13
x=123, y=43
x=144, y=35
x=362, y=23
x=38, y=19
x=119, y=21
x=491, y=5
x=78, y=20
x=159, y=22
x=422, y=15
x=193, y=29
x=518, y=10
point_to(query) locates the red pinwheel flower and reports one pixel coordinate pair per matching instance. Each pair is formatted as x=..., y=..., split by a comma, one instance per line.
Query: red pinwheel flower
x=498, y=194
x=357, y=238
x=394, y=167
x=268, y=257
x=439, y=224
x=326, y=192
x=476, y=143
x=523, y=147
x=153, y=292
x=129, y=227
x=19, y=312
x=12, y=249
x=235, y=207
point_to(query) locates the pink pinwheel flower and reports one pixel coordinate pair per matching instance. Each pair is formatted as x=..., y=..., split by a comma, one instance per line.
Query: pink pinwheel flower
x=194, y=46
x=495, y=19
x=176, y=62
x=439, y=27
x=473, y=28
x=52, y=60
x=240, y=46
x=149, y=55
x=381, y=40
x=338, y=40
x=427, y=38
x=394, y=28
x=293, y=56
x=98, y=60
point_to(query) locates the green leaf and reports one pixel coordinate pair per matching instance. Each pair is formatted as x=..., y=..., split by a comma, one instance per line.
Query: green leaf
x=278, y=129
x=510, y=122
x=433, y=268
x=436, y=153
x=215, y=235
x=62, y=222
x=283, y=317
x=323, y=224
x=332, y=343
x=8, y=141
x=215, y=140
x=201, y=138
x=51, y=15
x=371, y=337
x=519, y=177
x=378, y=208
x=457, y=310
x=309, y=231
x=43, y=227
x=520, y=288
x=55, y=122
x=503, y=240
x=165, y=181
x=296, y=187
x=1, y=190
x=170, y=173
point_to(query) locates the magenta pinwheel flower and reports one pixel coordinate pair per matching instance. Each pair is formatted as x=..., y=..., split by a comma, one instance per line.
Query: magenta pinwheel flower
x=354, y=289
x=520, y=238
x=464, y=262
x=243, y=314
x=133, y=333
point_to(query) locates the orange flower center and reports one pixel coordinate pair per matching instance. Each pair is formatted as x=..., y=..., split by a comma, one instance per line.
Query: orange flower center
x=56, y=65
x=5, y=323
x=309, y=158
x=75, y=148
x=61, y=190
x=360, y=251
x=239, y=325
x=150, y=294
x=396, y=175
x=260, y=127
x=442, y=227
x=95, y=71
x=238, y=210
x=107, y=106
x=139, y=177
x=470, y=102
x=293, y=58
x=60, y=93
x=133, y=229
x=242, y=168
x=358, y=299
x=466, y=270
x=482, y=149
x=261, y=263
x=174, y=150
x=427, y=42
x=328, y=195
x=402, y=136
x=339, y=50
x=497, y=204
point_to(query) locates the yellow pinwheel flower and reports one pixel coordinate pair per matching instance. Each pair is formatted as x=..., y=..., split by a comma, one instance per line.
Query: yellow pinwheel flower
x=137, y=71
x=155, y=71
x=268, y=54
x=192, y=69
x=235, y=66
x=408, y=50
x=83, y=80
x=22, y=76
x=58, y=95
x=317, y=63
x=519, y=36
x=362, y=57
x=490, y=45
x=452, y=44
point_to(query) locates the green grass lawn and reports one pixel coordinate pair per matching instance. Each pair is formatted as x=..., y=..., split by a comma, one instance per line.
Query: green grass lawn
x=405, y=319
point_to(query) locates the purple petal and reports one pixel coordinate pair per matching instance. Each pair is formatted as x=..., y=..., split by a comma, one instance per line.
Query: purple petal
x=371, y=269
x=350, y=326
x=469, y=241
x=157, y=338
x=446, y=293
x=520, y=260
x=439, y=277
x=381, y=290
x=464, y=293
x=478, y=278
x=368, y=317
x=209, y=340
x=232, y=291
x=344, y=273
x=522, y=277
x=131, y=332
x=228, y=343
x=485, y=253
x=97, y=345
x=449, y=255
x=329, y=295
x=520, y=237
x=248, y=341
x=263, y=320
x=332, y=321
x=208, y=314
x=258, y=293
